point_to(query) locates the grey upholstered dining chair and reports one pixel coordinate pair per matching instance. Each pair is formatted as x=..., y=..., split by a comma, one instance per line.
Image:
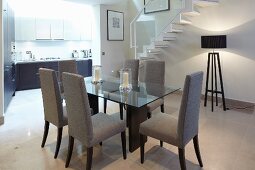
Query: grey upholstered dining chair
x=69, y=66
x=155, y=74
x=133, y=64
x=54, y=112
x=178, y=132
x=90, y=130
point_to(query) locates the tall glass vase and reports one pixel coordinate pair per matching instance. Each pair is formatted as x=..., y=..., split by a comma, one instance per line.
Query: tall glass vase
x=125, y=80
x=96, y=74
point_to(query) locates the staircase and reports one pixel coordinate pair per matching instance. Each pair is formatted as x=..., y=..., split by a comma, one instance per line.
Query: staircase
x=150, y=33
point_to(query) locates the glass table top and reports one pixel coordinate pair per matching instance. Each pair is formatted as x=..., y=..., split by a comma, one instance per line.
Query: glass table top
x=140, y=95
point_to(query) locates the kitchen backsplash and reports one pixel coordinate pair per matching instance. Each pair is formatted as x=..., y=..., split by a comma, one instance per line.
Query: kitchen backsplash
x=50, y=49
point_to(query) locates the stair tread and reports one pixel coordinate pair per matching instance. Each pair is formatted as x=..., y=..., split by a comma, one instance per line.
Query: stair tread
x=169, y=39
x=160, y=43
x=204, y=3
x=176, y=31
x=147, y=58
x=192, y=13
x=161, y=46
x=153, y=51
x=183, y=22
x=169, y=34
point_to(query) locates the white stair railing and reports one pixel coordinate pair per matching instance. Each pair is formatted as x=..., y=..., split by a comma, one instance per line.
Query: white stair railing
x=146, y=28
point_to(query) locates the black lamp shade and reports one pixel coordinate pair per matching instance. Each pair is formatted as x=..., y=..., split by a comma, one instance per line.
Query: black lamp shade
x=215, y=41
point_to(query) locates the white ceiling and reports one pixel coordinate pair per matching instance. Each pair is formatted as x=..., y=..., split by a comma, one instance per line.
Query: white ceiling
x=94, y=2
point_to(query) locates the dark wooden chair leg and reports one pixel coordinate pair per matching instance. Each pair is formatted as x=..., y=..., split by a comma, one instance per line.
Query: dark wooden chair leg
x=58, y=142
x=45, y=134
x=149, y=115
x=161, y=143
x=142, y=148
x=197, y=150
x=162, y=108
x=105, y=105
x=123, y=141
x=70, y=150
x=89, y=158
x=182, y=158
x=121, y=111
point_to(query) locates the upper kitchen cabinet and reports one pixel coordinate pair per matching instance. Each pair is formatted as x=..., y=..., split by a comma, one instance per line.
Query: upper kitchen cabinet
x=48, y=29
x=77, y=30
x=30, y=28
x=24, y=28
x=57, y=29
x=86, y=31
x=42, y=29
x=71, y=30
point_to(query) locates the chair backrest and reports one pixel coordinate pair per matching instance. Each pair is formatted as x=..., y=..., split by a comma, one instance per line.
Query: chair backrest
x=53, y=109
x=78, y=109
x=133, y=64
x=154, y=72
x=189, y=109
x=67, y=66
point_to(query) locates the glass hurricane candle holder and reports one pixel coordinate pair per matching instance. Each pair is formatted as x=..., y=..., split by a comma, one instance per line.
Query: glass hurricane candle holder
x=97, y=88
x=125, y=80
x=96, y=74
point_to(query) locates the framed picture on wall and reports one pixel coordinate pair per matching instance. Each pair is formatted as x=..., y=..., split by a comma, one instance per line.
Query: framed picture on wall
x=115, y=25
x=156, y=6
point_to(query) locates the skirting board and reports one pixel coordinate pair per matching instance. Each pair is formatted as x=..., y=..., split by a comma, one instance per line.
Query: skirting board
x=230, y=103
x=1, y=120
x=233, y=104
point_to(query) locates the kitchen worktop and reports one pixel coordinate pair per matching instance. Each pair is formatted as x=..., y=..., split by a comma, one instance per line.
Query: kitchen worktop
x=49, y=60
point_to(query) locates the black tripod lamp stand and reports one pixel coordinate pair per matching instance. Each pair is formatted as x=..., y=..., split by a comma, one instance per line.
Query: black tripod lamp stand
x=214, y=42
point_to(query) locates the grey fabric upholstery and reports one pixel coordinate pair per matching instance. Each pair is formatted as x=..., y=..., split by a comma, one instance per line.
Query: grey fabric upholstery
x=66, y=66
x=162, y=127
x=105, y=126
x=189, y=109
x=155, y=73
x=133, y=64
x=178, y=132
x=90, y=130
x=53, y=109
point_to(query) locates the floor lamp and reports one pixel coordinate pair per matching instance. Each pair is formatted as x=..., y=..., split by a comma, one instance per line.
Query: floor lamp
x=214, y=42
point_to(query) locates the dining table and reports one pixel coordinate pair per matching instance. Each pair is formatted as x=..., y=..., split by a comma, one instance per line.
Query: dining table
x=134, y=101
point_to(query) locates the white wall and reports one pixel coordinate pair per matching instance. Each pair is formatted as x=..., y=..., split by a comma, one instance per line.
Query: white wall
x=236, y=19
x=96, y=35
x=46, y=49
x=115, y=51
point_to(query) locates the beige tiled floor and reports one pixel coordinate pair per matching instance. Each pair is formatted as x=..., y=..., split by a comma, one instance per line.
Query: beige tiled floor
x=227, y=141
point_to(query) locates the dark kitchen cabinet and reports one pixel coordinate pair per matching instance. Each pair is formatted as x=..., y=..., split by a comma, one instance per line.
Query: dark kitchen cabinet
x=84, y=67
x=27, y=76
x=9, y=67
